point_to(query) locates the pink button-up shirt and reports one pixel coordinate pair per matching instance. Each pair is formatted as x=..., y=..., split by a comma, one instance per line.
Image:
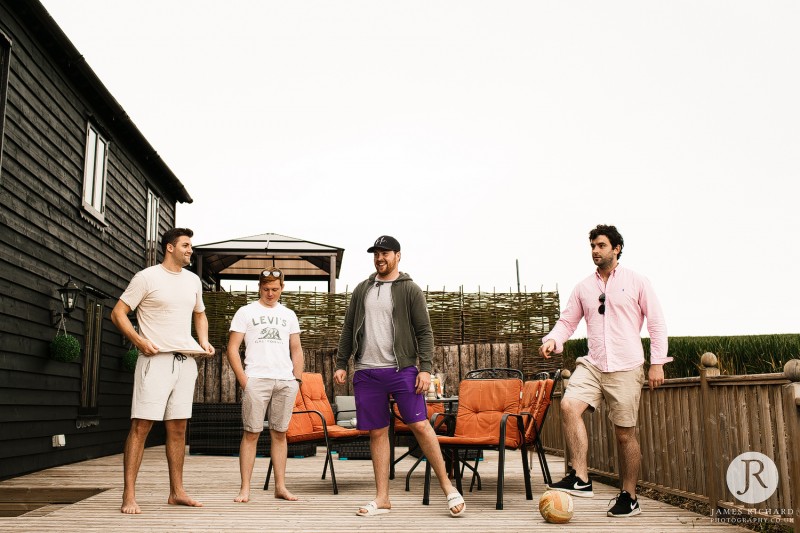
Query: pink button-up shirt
x=614, y=338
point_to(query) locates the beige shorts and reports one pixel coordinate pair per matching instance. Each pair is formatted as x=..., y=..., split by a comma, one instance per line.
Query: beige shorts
x=263, y=395
x=620, y=390
x=163, y=387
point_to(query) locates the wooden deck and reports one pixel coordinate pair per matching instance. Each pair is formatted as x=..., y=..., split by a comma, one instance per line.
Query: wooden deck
x=215, y=481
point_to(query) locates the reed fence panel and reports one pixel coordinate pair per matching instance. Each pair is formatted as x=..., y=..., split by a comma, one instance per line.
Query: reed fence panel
x=495, y=319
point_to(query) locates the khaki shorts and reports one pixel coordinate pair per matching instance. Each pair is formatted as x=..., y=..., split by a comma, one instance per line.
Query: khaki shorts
x=263, y=395
x=620, y=390
x=163, y=387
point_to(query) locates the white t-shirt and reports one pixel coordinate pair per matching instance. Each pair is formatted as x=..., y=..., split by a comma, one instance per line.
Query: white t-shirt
x=164, y=302
x=266, y=339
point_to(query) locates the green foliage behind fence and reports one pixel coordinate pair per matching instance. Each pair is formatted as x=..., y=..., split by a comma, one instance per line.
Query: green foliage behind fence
x=744, y=354
x=456, y=317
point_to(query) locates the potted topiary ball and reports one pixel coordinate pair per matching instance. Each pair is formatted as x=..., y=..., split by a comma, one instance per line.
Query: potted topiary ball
x=129, y=360
x=65, y=348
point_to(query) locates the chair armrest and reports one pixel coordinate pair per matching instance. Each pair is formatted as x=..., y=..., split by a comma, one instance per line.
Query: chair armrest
x=520, y=425
x=319, y=414
x=451, y=428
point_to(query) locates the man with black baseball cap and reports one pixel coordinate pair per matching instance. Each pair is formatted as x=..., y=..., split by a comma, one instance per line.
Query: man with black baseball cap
x=386, y=330
x=385, y=242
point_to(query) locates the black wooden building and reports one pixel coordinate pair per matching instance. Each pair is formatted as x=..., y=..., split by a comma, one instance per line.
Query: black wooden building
x=83, y=195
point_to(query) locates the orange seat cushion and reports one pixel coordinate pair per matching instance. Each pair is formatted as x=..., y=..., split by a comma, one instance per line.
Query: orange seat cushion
x=481, y=406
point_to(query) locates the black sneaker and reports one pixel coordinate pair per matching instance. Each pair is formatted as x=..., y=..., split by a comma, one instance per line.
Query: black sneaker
x=574, y=485
x=625, y=506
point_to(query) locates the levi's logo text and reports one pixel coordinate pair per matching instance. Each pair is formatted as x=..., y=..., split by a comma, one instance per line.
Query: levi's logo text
x=268, y=328
x=269, y=321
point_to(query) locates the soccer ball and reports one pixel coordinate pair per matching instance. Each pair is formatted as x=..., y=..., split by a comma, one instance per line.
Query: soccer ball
x=556, y=506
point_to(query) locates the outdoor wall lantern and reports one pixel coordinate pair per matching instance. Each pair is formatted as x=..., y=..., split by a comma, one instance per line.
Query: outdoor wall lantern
x=69, y=296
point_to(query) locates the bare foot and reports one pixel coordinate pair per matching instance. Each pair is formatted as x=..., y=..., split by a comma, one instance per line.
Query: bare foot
x=183, y=500
x=285, y=495
x=243, y=496
x=129, y=506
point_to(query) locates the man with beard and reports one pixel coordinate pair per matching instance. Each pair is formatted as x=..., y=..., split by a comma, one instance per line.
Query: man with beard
x=614, y=301
x=167, y=298
x=386, y=329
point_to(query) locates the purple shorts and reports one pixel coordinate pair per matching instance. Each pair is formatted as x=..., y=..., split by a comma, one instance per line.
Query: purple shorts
x=372, y=387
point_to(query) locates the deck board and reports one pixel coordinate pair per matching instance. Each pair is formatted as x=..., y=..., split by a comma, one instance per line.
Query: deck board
x=215, y=481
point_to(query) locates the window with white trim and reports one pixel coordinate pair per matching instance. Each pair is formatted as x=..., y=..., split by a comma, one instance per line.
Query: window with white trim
x=151, y=238
x=94, y=173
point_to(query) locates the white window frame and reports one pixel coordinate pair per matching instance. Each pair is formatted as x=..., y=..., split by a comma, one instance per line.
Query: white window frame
x=94, y=173
x=151, y=228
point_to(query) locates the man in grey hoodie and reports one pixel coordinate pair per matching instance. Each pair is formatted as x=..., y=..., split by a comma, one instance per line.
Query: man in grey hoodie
x=386, y=331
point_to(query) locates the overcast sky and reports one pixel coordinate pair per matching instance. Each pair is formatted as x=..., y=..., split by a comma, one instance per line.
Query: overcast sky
x=481, y=133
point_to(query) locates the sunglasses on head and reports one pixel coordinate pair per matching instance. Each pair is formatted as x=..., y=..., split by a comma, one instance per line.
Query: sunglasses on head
x=602, y=308
x=275, y=273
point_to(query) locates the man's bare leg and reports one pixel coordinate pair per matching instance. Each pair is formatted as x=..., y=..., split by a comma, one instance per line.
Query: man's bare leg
x=176, y=451
x=247, y=459
x=132, y=461
x=278, y=452
x=575, y=435
x=379, y=450
x=630, y=458
x=426, y=437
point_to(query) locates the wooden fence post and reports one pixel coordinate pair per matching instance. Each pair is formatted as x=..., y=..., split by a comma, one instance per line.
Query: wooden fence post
x=791, y=410
x=709, y=369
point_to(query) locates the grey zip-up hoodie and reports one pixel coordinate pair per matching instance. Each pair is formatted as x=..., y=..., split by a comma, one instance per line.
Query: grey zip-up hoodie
x=413, y=335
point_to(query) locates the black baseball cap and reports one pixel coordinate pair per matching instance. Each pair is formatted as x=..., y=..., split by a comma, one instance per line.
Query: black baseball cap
x=385, y=242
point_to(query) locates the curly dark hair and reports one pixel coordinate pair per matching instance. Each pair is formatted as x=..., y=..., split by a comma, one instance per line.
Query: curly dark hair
x=614, y=236
x=171, y=237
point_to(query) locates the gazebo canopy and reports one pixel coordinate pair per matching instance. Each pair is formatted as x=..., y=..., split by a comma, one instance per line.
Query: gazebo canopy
x=244, y=258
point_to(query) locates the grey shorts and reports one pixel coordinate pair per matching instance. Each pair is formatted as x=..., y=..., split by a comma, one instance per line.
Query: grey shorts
x=163, y=387
x=620, y=390
x=266, y=395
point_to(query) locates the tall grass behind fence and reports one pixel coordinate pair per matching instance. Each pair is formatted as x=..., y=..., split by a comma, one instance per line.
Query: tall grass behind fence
x=738, y=355
x=457, y=318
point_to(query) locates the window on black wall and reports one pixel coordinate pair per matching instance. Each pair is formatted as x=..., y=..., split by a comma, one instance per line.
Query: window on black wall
x=151, y=237
x=94, y=173
x=5, y=60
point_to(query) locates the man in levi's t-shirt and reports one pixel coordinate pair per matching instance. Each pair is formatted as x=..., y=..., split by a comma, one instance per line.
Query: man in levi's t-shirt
x=269, y=377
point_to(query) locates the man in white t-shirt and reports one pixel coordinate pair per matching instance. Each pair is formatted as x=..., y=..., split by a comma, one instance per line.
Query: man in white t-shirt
x=270, y=377
x=167, y=299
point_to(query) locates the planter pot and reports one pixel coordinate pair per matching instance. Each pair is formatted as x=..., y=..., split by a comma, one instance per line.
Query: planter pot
x=65, y=348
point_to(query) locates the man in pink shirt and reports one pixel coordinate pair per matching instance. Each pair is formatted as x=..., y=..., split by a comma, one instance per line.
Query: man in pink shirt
x=614, y=301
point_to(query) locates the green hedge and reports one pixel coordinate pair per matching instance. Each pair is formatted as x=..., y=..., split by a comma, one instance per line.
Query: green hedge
x=745, y=354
